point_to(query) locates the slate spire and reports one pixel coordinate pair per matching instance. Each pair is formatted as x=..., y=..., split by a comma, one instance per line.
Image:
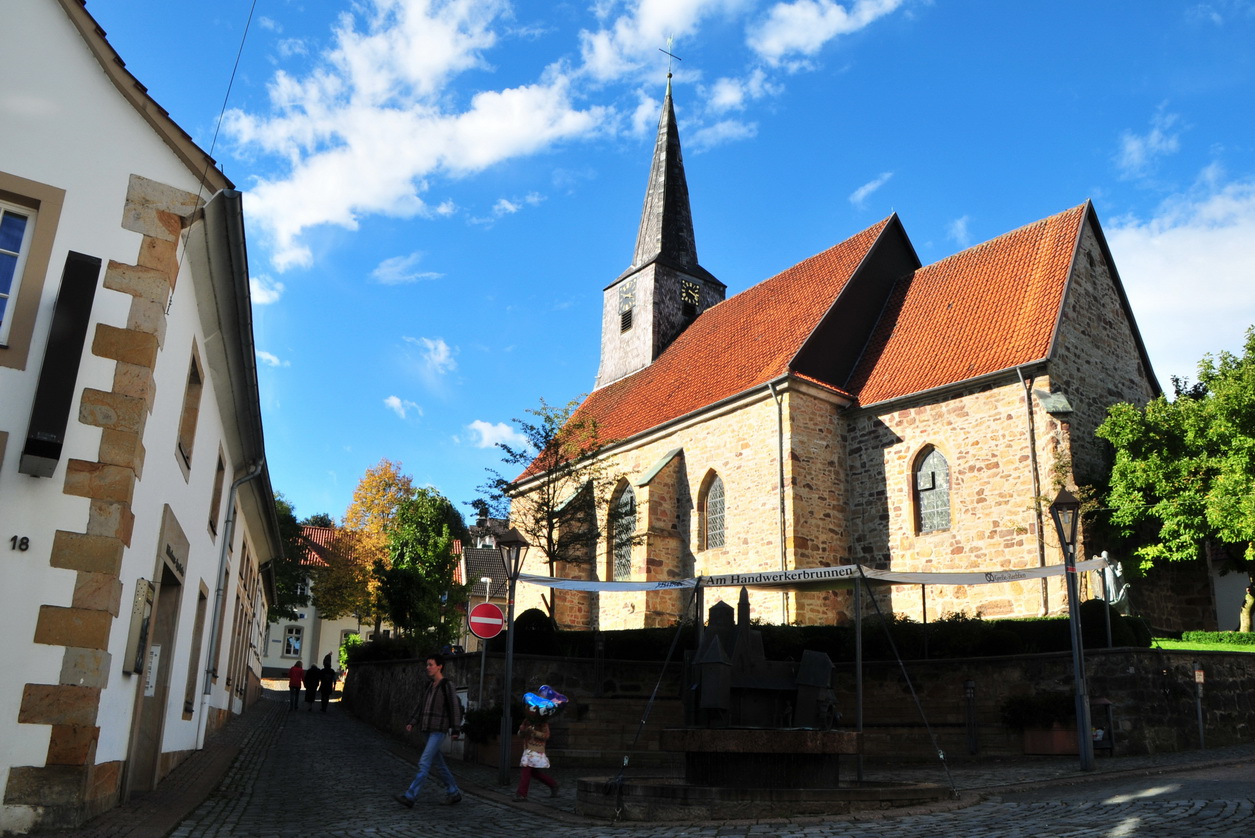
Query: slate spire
x=666, y=231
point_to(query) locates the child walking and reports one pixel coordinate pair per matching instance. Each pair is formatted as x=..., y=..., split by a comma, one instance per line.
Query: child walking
x=535, y=732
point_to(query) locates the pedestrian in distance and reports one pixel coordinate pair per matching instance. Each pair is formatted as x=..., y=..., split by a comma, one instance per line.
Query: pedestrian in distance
x=437, y=710
x=296, y=680
x=313, y=676
x=328, y=683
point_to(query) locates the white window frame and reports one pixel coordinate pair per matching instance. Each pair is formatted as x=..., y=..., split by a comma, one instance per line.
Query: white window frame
x=290, y=631
x=28, y=235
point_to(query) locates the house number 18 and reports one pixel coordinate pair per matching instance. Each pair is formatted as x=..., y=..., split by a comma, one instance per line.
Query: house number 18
x=20, y=542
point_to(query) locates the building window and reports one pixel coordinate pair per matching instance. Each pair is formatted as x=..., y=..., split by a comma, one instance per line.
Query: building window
x=17, y=228
x=292, y=641
x=215, y=500
x=712, y=513
x=932, y=491
x=24, y=277
x=622, y=528
x=191, y=412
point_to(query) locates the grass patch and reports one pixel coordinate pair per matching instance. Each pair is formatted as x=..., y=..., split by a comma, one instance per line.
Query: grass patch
x=1199, y=646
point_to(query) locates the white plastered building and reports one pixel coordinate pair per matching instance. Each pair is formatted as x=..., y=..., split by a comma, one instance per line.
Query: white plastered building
x=136, y=512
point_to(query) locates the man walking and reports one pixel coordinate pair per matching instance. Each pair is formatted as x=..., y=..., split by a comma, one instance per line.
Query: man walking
x=438, y=709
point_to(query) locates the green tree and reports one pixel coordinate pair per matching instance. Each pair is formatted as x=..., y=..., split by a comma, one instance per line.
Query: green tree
x=1184, y=472
x=319, y=519
x=562, y=483
x=289, y=570
x=417, y=585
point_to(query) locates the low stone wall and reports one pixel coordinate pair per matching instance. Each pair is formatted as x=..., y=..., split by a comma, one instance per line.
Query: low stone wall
x=1152, y=694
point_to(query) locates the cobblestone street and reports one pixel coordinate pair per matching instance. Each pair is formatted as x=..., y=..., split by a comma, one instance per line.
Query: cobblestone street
x=319, y=775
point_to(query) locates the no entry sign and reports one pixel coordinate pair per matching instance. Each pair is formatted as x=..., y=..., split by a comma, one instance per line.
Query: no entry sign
x=486, y=620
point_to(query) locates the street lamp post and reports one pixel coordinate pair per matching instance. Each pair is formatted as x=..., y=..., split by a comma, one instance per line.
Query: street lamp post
x=513, y=549
x=1066, y=512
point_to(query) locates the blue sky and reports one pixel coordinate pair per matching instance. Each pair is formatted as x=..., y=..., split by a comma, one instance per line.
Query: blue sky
x=437, y=192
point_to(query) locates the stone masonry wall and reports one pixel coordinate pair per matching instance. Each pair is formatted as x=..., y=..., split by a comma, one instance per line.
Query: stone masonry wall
x=994, y=522
x=1095, y=362
x=1152, y=694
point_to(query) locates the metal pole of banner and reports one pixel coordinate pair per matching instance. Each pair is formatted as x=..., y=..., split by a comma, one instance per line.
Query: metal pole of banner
x=1106, y=598
x=858, y=671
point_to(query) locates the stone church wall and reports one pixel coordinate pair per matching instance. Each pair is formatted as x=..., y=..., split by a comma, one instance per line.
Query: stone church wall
x=984, y=436
x=1096, y=362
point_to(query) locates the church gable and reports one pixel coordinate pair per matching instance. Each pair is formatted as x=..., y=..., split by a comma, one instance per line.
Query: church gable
x=990, y=308
x=831, y=352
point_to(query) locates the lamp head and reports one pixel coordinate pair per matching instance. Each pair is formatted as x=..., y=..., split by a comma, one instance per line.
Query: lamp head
x=1066, y=512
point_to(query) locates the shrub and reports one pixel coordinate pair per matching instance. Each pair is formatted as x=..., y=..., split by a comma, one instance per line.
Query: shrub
x=1229, y=638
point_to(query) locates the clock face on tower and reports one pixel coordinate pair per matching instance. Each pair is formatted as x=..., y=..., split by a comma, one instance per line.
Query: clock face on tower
x=689, y=292
x=627, y=296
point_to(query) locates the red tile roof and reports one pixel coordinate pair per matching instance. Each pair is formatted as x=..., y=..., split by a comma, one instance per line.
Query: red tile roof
x=321, y=536
x=741, y=343
x=989, y=308
x=992, y=307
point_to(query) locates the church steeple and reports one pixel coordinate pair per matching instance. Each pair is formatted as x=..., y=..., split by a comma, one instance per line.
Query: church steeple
x=665, y=288
x=666, y=230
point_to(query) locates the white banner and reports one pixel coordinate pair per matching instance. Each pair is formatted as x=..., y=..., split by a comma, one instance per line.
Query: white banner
x=816, y=578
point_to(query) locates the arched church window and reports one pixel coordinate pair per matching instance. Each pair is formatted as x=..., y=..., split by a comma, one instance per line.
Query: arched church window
x=622, y=529
x=932, y=491
x=712, y=507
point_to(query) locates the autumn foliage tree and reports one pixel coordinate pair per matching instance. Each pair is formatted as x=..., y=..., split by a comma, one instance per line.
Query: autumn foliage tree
x=380, y=492
x=1184, y=472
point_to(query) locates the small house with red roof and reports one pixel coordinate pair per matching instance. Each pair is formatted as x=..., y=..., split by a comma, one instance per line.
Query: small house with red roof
x=858, y=407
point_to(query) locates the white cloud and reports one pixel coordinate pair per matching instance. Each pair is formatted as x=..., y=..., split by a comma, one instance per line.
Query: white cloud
x=436, y=357
x=803, y=27
x=1187, y=271
x=958, y=233
x=725, y=131
x=509, y=207
x=400, y=270
x=633, y=39
x=263, y=290
x=402, y=407
x=362, y=132
x=489, y=435
x=271, y=360
x=859, y=196
x=1138, y=152
x=730, y=94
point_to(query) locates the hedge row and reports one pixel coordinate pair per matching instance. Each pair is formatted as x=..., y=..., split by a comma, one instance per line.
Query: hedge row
x=957, y=636
x=1230, y=638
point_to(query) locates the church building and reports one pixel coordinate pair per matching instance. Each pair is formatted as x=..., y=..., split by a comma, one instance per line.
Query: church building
x=858, y=407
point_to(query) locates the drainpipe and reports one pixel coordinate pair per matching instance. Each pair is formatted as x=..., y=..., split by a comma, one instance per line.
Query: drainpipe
x=1032, y=456
x=779, y=400
x=228, y=530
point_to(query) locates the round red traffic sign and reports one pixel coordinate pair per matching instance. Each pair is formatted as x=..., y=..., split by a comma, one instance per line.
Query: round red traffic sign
x=486, y=620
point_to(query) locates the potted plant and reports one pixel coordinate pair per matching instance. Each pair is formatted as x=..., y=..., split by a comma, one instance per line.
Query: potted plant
x=482, y=728
x=1046, y=720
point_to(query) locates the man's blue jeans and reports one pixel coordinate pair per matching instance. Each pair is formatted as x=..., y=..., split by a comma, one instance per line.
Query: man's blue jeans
x=431, y=753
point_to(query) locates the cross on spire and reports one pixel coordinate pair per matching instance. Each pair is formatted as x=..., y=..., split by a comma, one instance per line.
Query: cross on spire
x=667, y=52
